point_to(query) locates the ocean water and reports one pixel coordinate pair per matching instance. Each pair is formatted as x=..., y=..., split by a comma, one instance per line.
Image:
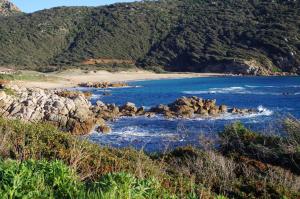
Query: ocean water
x=275, y=97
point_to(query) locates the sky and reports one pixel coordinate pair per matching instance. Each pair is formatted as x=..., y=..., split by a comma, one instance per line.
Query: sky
x=34, y=5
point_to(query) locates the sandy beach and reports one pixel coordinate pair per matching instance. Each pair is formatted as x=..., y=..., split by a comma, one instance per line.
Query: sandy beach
x=72, y=78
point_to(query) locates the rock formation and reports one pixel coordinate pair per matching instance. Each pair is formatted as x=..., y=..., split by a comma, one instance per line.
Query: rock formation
x=103, y=84
x=69, y=114
x=7, y=8
x=195, y=107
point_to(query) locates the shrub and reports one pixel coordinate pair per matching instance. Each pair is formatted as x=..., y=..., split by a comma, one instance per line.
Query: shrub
x=37, y=179
x=238, y=141
x=23, y=141
x=124, y=185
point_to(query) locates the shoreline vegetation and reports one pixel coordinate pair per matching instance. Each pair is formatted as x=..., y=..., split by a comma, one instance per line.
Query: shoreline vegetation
x=38, y=161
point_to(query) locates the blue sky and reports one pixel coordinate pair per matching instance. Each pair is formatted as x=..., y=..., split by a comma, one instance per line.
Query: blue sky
x=34, y=5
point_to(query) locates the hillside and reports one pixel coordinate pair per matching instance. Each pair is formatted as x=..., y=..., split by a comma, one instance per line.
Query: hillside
x=7, y=8
x=250, y=37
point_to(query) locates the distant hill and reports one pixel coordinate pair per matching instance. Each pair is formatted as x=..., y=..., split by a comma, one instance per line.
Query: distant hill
x=7, y=8
x=238, y=36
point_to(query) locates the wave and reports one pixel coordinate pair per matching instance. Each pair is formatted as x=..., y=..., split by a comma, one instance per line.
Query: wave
x=285, y=86
x=223, y=91
x=136, y=131
x=242, y=91
x=262, y=111
x=96, y=96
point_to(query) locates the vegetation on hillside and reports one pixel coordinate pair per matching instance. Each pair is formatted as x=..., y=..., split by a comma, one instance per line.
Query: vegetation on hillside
x=7, y=8
x=175, y=35
x=64, y=166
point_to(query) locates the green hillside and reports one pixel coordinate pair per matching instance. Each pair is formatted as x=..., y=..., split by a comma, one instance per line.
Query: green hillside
x=177, y=35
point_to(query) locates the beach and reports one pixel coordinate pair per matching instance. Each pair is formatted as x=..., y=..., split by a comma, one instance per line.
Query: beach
x=71, y=78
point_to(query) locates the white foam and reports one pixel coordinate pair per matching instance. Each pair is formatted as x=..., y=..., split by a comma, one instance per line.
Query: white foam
x=262, y=111
x=135, y=131
x=230, y=91
x=96, y=96
x=284, y=86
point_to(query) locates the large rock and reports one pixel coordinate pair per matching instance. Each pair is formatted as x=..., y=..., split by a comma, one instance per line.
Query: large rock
x=38, y=105
x=103, y=129
x=129, y=109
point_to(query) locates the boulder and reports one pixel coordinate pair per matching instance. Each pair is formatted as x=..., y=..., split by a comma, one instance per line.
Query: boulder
x=223, y=108
x=140, y=111
x=103, y=129
x=129, y=108
x=150, y=114
x=160, y=109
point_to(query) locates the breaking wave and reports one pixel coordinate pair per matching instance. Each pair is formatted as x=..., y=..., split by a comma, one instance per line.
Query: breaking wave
x=237, y=90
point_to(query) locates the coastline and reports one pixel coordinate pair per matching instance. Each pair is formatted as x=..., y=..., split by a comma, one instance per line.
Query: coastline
x=71, y=78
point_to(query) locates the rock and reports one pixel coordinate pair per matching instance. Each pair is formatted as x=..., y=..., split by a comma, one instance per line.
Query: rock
x=234, y=111
x=223, y=108
x=81, y=128
x=203, y=112
x=100, y=104
x=103, y=129
x=140, y=111
x=129, y=108
x=103, y=84
x=161, y=109
x=213, y=112
x=150, y=114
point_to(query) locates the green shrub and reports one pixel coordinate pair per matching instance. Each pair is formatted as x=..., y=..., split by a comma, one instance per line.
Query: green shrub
x=124, y=185
x=23, y=141
x=238, y=141
x=37, y=179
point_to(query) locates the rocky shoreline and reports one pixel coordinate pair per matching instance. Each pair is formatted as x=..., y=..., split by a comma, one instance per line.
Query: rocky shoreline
x=103, y=85
x=72, y=111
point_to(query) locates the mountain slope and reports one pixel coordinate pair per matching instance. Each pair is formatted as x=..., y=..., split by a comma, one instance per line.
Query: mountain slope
x=7, y=8
x=251, y=37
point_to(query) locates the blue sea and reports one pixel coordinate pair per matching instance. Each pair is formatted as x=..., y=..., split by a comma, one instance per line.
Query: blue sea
x=275, y=97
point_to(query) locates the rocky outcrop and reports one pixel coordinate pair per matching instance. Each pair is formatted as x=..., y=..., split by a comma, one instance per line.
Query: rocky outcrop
x=103, y=84
x=195, y=107
x=73, y=115
x=184, y=107
x=7, y=8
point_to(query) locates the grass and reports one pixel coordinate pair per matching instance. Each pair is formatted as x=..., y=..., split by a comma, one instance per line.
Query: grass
x=27, y=76
x=101, y=172
x=9, y=91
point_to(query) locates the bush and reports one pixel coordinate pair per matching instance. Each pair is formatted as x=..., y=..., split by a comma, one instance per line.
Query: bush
x=283, y=151
x=24, y=141
x=124, y=185
x=37, y=179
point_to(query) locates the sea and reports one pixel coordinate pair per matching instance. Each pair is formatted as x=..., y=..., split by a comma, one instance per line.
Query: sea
x=276, y=98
